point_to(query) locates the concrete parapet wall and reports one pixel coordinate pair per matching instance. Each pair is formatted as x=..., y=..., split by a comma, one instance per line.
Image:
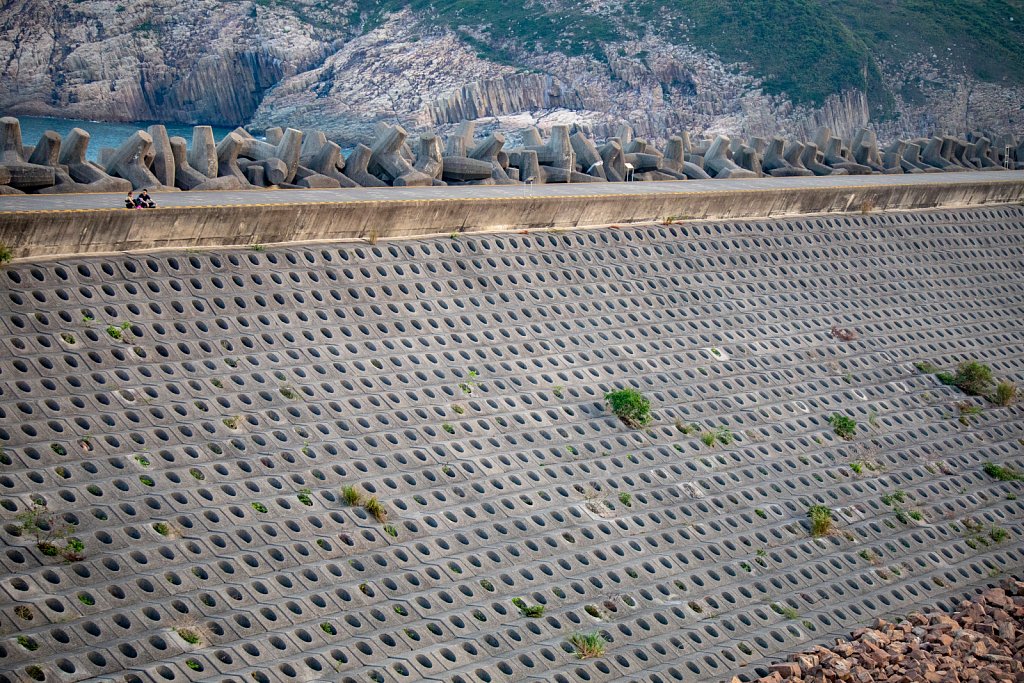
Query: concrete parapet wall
x=48, y=233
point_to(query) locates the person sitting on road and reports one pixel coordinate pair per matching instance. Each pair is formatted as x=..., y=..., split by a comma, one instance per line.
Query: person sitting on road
x=145, y=201
x=129, y=201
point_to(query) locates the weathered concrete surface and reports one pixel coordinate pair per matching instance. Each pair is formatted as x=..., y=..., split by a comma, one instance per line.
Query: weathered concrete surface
x=270, y=217
x=198, y=414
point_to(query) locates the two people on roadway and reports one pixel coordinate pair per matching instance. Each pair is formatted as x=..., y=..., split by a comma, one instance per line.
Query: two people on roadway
x=143, y=201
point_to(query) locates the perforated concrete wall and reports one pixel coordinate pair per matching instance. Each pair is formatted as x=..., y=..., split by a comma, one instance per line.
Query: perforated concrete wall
x=195, y=416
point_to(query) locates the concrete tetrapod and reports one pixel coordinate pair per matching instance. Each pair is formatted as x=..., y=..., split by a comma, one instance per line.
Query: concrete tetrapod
x=47, y=153
x=776, y=164
x=488, y=150
x=429, y=157
x=188, y=178
x=356, y=166
x=614, y=161
x=23, y=176
x=162, y=165
x=675, y=159
x=288, y=150
x=812, y=161
x=227, y=158
x=526, y=161
x=328, y=161
x=932, y=155
x=127, y=162
x=558, y=150
x=717, y=161
x=587, y=155
x=834, y=157
x=202, y=156
x=386, y=159
x=88, y=175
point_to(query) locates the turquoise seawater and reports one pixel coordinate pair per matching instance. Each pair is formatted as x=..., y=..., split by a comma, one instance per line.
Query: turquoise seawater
x=102, y=134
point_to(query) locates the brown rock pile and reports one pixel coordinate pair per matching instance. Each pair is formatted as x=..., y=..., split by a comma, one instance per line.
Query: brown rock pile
x=982, y=643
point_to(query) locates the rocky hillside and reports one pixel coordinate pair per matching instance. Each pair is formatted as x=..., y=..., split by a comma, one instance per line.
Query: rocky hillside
x=748, y=67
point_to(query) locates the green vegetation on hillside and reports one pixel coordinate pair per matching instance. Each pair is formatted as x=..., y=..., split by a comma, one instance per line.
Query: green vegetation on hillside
x=804, y=48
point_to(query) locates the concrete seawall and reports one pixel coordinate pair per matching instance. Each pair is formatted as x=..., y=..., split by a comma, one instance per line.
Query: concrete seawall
x=250, y=220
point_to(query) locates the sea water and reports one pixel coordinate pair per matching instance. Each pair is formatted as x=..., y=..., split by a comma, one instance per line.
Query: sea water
x=103, y=134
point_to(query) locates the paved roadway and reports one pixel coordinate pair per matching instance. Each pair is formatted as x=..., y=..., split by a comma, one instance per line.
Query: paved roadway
x=22, y=203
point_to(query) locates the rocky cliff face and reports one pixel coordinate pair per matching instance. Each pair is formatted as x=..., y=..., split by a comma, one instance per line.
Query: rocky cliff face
x=197, y=60
x=308, y=64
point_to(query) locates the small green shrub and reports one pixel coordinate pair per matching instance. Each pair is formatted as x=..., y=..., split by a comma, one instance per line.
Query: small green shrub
x=232, y=422
x=927, y=368
x=35, y=673
x=147, y=480
x=448, y=428
x=1006, y=393
x=708, y=438
x=304, y=496
x=1002, y=473
x=967, y=410
x=376, y=508
x=857, y=467
x=973, y=378
x=197, y=474
x=162, y=528
x=947, y=378
x=844, y=427
x=688, y=429
x=86, y=599
x=193, y=664
x=51, y=535
x=821, y=520
x=785, y=611
x=531, y=611
x=351, y=495
x=760, y=513
x=5, y=254
x=328, y=628
x=189, y=636
x=558, y=391
x=897, y=496
x=626, y=499
x=998, y=534
x=630, y=406
x=28, y=643
x=289, y=393
x=588, y=644
x=259, y=507
x=470, y=384
x=390, y=530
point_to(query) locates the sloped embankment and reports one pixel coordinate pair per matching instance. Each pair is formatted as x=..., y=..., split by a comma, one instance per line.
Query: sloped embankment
x=195, y=418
